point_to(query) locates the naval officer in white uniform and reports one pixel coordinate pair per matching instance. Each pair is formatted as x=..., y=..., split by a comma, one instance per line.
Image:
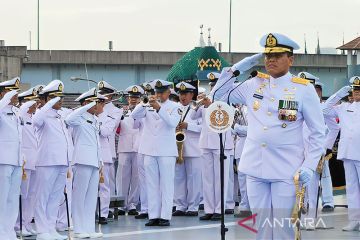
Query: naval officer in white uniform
x=86, y=163
x=188, y=174
x=53, y=160
x=348, y=150
x=158, y=145
x=29, y=155
x=127, y=177
x=209, y=144
x=10, y=159
x=278, y=105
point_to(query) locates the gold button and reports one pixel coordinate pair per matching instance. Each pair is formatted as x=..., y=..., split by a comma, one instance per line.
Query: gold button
x=273, y=85
x=269, y=113
x=272, y=99
x=265, y=128
x=263, y=144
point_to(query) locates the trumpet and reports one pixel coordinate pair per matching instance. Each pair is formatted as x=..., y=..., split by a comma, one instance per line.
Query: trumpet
x=195, y=105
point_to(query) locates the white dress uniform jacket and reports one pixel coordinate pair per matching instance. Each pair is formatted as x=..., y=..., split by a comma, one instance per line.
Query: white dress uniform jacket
x=192, y=133
x=115, y=113
x=86, y=136
x=10, y=135
x=54, y=142
x=29, y=141
x=158, y=137
x=107, y=126
x=350, y=128
x=128, y=136
x=274, y=148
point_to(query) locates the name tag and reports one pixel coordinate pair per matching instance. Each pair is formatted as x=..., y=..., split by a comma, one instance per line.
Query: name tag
x=10, y=114
x=89, y=121
x=288, y=110
x=258, y=96
x=349, y=110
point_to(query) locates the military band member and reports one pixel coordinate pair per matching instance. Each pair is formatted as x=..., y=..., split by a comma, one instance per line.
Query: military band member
x=107, y=126
x=278, y=105
x=174, y=96
x=188, y=173
x=29, y=156
x=348, y=152
x=52, y=161
x=10, y=159
x=210, y=147
x=159, y=148
x=127, y=174
x=86, y=163
x=113, y=111
x=139, y=124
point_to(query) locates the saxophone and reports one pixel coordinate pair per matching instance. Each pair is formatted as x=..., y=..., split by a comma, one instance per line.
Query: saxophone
x=180, y=139
x=298, y=207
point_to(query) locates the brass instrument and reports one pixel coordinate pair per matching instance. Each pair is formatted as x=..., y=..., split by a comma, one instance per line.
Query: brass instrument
x=195, y=105
x=298, y=207
x=180, y=138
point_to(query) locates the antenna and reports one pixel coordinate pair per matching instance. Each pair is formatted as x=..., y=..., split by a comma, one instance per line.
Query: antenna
x=209, y=37
x=110, y=46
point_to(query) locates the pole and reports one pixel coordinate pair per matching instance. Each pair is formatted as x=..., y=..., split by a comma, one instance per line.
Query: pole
x=38, y=25
x=21, y=217
x=222, y=180
x=67, y=213
x=230, y=27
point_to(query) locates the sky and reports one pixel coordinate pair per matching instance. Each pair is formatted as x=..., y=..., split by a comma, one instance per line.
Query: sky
x=173, y=25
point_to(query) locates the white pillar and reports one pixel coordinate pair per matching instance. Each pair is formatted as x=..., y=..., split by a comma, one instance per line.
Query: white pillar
x=349, y=57
x=357, y=57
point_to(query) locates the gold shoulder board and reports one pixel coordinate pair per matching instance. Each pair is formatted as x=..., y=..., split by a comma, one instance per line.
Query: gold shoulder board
x=300, y=80
x=263, y=75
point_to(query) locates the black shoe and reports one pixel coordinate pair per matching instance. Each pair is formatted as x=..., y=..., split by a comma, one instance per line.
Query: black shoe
x=121, y=212
x=201, y=207
x=191, y=214
x=243, y=214
x=164, y=223
x=216, y=217
x=229, y=211
x=327, y=209
x=103, y=220
x=206, y=217
x=110, y=215
x=133, y=212
x=152, y=222
x=178, y=213
x=142, y=216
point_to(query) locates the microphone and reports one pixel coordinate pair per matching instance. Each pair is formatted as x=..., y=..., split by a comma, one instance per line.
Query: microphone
x=252, y=75
x=235, y=74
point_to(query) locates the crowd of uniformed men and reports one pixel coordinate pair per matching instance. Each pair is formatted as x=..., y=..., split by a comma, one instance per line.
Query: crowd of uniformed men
x=282, y=128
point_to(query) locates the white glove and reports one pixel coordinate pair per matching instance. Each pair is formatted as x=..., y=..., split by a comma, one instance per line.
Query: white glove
x=306, y=175
x=343, y=92
x=247, y=63
x=50, y=104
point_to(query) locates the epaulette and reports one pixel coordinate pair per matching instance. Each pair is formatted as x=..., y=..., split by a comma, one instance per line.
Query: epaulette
x=300, y=80
x=110, y=117
x=262, y=75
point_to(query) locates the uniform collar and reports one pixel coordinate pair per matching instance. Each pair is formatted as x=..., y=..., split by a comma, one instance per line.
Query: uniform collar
x=281, y=79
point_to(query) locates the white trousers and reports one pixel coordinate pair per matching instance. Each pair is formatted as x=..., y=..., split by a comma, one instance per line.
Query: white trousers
x=188, y=184
x=50, y=184
x=10, y=181
x=105, y=189
x=159, y=173
x=244, y=201
x=85, y=192
x=352, y=176
x=230, y=201
x=127, y=179
x=211, y=180
x=112, y=177
x=142, y=183
x=272, y=201
x=28, y=192
x=61, y=222
x=327, y=196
